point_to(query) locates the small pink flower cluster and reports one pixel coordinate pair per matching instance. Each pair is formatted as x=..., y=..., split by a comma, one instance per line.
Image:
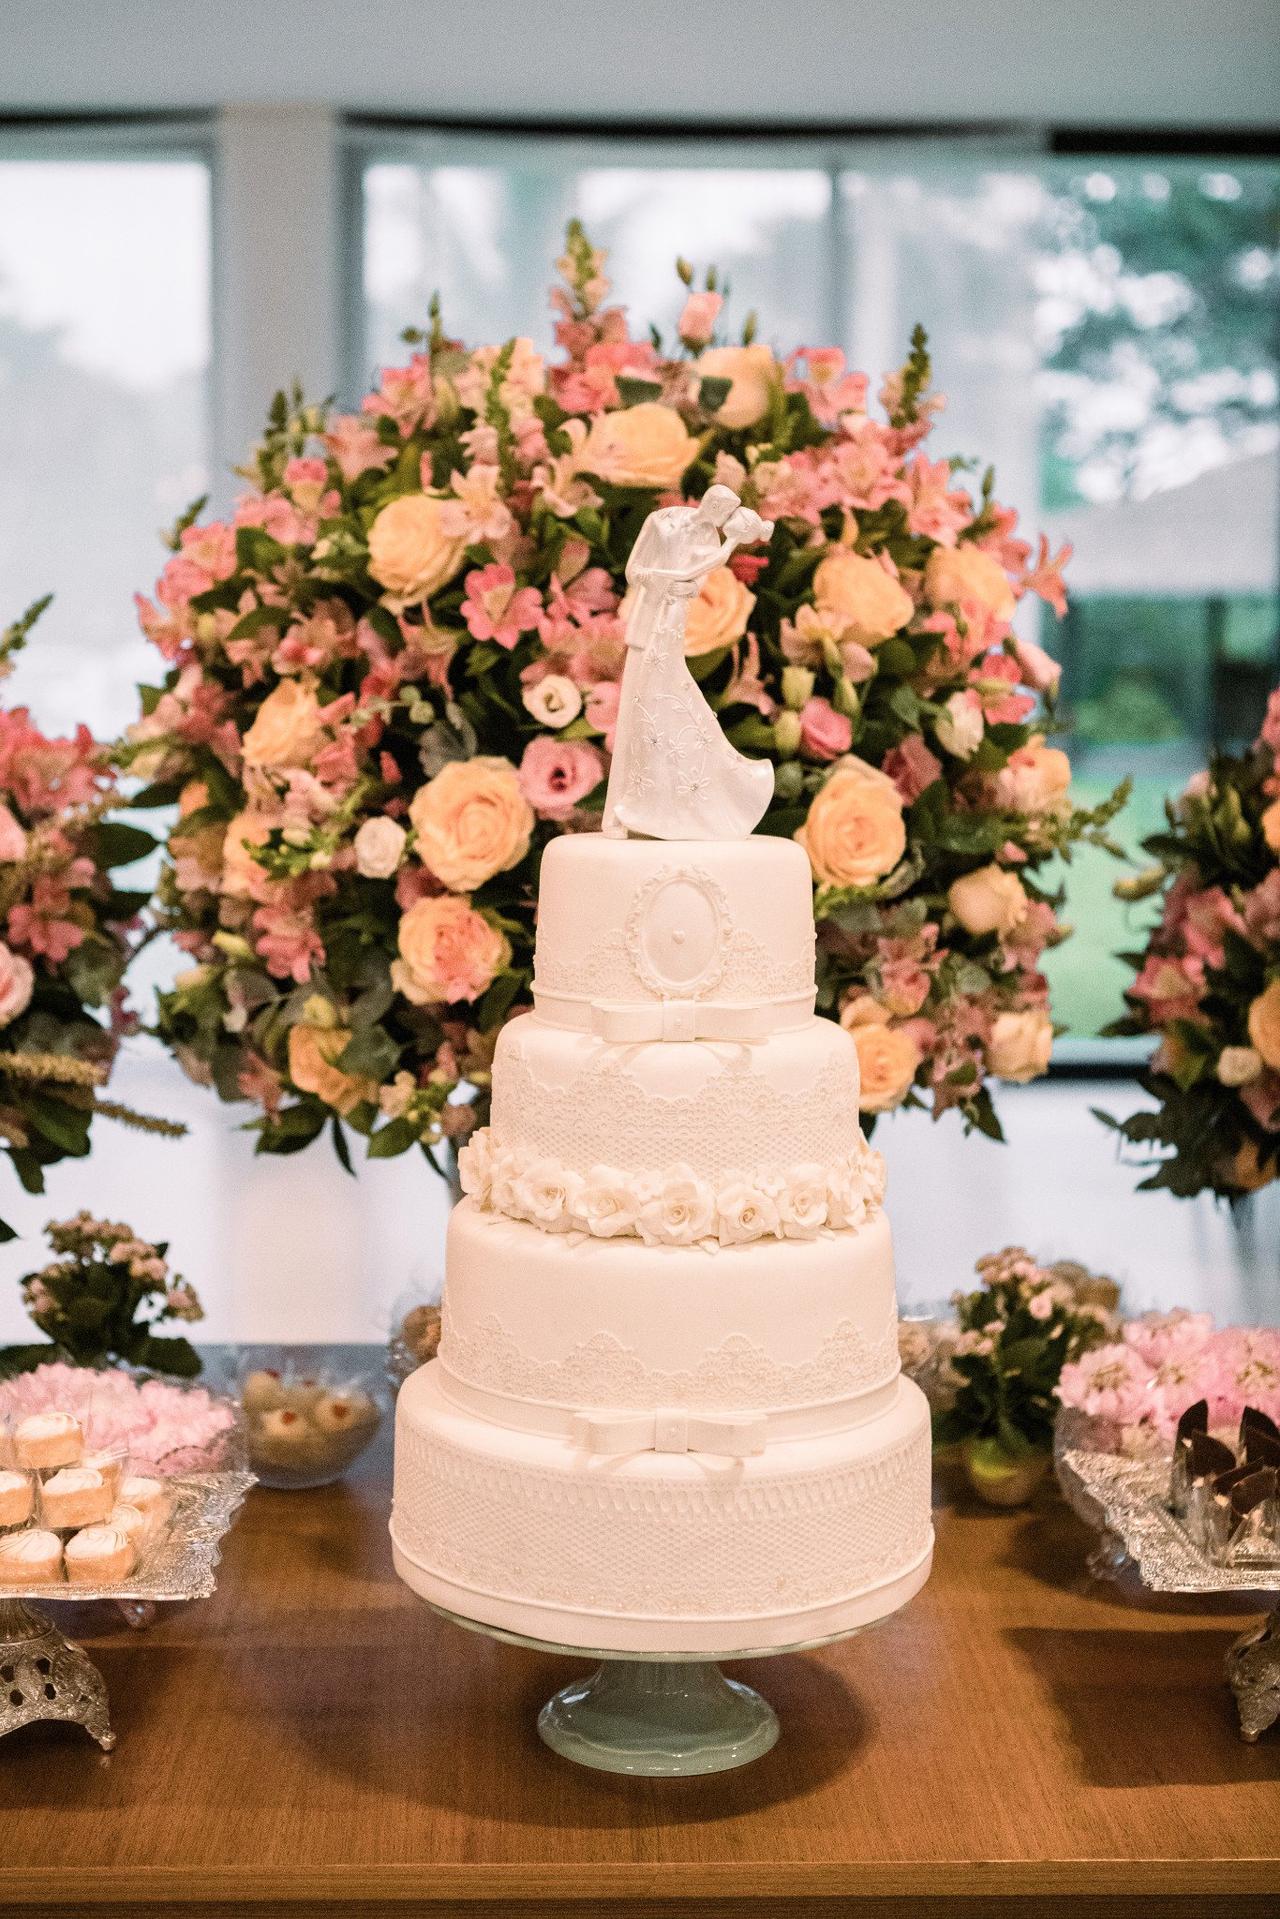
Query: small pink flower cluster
x=1163, y=1363
x=151, y=1420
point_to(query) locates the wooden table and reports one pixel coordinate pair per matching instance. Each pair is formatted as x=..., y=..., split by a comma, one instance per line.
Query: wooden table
x=1018, y=1742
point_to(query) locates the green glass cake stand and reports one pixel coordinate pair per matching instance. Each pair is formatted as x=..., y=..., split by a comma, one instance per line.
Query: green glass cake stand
x=663, y=1715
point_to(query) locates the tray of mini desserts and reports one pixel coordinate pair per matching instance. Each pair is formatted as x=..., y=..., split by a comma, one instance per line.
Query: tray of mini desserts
x=83, y=1523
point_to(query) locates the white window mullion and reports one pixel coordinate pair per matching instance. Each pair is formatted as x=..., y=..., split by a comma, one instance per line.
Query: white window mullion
x=277, y=280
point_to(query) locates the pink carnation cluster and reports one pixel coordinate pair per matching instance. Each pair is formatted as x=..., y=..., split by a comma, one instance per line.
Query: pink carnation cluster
x=170, y=1427
x=1163, y=1363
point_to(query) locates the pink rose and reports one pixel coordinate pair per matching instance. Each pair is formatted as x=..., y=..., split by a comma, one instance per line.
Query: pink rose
x=912, y=767
x=698, y=321
x=16, y=983
x=824, y=733
x=556, y=774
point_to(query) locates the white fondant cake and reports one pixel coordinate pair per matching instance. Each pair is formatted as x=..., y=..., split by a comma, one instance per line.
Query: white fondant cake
x=666, y=1414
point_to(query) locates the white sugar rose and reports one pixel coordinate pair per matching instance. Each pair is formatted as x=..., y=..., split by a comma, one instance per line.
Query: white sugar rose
x=546, y=1193
x=988, y=901
x=553, y=700
x=379, y=845
x=475, y=1166
x=607, y=1203
x=16, y=983
x=1020, y=1045
x=682, y=1211
x=868, y=1169
x=745, y=1212
x=505, y=1168
x=802, y=1202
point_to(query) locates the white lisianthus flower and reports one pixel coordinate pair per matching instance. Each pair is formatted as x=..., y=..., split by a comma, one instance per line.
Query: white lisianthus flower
x=960, y=727
x=745, y=1212
x=607, y=1204
x=681, y=1212
x=379, y=845
x=1238, y=1065
x=802, y=1202
x=546, y=1194
x=553, y=700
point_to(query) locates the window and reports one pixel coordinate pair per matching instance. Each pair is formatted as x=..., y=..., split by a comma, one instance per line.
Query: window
x=104, y=372
x=1104, y=330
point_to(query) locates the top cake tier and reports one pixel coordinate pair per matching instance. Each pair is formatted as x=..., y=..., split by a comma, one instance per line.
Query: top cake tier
x=703, y=939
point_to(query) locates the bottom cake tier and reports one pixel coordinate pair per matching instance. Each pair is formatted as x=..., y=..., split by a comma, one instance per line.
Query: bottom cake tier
x=660, y=1552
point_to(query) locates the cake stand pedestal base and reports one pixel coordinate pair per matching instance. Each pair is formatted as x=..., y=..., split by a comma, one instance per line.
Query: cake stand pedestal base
x=44, y=1676
x=1253, y=1673
x=664, y=1720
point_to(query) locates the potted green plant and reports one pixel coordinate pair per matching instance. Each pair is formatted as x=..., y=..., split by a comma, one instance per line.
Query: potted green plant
x=1016, y=1332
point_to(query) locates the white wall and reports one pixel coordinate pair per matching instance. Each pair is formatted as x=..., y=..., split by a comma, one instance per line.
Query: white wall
x=1091, y=62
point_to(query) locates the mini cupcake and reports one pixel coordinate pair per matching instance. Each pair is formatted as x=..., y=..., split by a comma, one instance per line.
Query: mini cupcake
x=135, y=1526
x=147, y=1496
x=17, y=1498
x=48, y=1440
x=110, y=1464
x=32, y=1558
x=75, y=1496
x=99, y=1556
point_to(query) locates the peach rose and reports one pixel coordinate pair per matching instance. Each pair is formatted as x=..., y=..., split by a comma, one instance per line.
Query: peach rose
x=1264, y=1024
x=888, y=1061
x=956, y=574
x=1037, y=779
x=752, y=373
x=448, y=952
x=313, y=1051
x=646, y=445
x=859, y=599
x=17, y=982
x=472, y=821
x=1271, y=826
x=287, y=728
x=988, y=901
x=720, y=613
x=855, y=832
x=242, y=876
x=411, y=550
x=1020, y=1045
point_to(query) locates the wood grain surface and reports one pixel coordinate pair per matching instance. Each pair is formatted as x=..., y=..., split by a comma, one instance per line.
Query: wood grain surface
x=1020, y=1741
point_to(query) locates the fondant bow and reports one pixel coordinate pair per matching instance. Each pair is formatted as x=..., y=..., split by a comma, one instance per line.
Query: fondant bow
x=677, y=1020
x=671, y=1432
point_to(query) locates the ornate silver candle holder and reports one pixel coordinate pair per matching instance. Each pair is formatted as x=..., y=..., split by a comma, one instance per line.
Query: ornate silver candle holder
x=1133, y=1498
x=44, y=1676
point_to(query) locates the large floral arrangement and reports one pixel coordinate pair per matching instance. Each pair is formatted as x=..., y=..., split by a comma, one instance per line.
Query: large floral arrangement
x=1208, y=979
x=393, y=676
x=65, y=935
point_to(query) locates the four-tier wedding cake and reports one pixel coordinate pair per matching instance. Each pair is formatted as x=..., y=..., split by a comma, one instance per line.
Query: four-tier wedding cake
x=667, y=1414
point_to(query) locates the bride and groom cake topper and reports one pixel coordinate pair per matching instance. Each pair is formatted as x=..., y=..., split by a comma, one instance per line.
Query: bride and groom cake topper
x=674, y=775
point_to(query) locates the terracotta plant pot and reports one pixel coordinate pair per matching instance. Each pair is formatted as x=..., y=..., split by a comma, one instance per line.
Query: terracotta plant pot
x=1002, y=1478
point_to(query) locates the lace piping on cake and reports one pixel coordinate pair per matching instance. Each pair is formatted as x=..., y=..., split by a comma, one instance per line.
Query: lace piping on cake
x=602, y=1371
x=737, y=1115
x=608, y=971
x=713, y=1544
x=674, y=1208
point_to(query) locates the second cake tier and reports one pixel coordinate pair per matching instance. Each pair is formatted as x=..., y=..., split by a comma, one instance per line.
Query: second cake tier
x=539, y=1327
